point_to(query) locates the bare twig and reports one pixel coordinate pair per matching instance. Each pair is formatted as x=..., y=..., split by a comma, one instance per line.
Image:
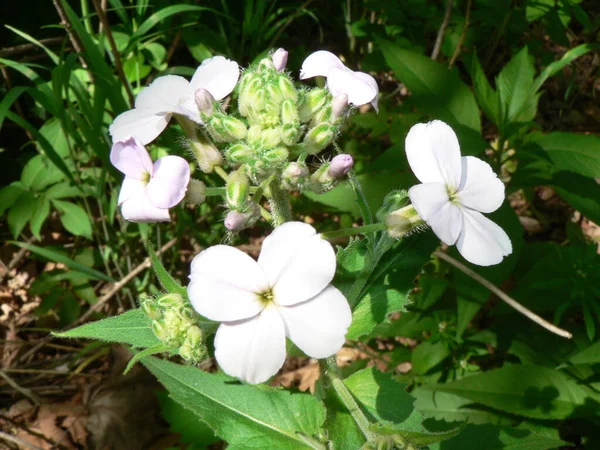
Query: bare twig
x=503, y=296
x=117, y=287
x=442, y=31
x=24, y=391
x=462, y=36
x=18, y=441
x=7, y=52
x=72, y=36
x=115, y=51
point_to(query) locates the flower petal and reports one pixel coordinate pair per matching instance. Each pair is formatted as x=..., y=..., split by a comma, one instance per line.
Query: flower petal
x=481, y=241
x=138, y=208
x=319, y=63
x=434, y=154
x=218, y=75
x=142, y=123
x=169, y=181
x=253, y=349
x=433, y=205
x=225, y=283
x=131, y=158
x=297, y=262
x=318, y=326
x=360, y=87
x=131, y=188
x=164, y=94
x=480, y=188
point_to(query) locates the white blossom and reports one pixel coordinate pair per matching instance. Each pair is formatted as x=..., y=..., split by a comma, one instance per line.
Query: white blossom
x=148, y=190
x=454, y=193
x=172, y=94
x=360, y=87
x=286, y=293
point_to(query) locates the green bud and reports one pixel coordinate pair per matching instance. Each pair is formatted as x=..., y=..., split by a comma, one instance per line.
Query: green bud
x=318, y=138
x=290, y=134
x=289, y=114
x=206, y=154
x=266, y=65
x=272, y=109
x=193, y=336
x=393, y=201
x=160, y=331
x=274, y=94
x=151, y=309
x=254, y=134
x=294, y=175
x=270, y=137
x=275, y=156
x=196, y=192
x=188, y=314
x=287, y=88
x=238, y=189
x=170, y=301
x=250, y=85
x=403, y=221
x=235, y=128
x=314, y=100
x=239, y=154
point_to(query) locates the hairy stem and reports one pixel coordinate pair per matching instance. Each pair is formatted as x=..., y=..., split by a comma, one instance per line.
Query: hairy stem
x=280, y=203
x=373, y=228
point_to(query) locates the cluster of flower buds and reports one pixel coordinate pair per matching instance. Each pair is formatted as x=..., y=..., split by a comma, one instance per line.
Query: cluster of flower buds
x=174, y=322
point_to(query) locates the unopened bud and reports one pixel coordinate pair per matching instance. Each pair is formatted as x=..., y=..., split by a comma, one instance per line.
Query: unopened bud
x=206, y=154
x=403, y=221
x=314, y=100
x=237, y=221
x=274, y=94
x=239, y=154
x=340, y=166
x=170, y=301
x=150, y=308
x=274, y=157
x=204, y=101
x=252, y=96
x=339, y=104
x=289, y=114
x=294, y=175
x=287, y=88
x=238, y=189
x=196, y=193
x=235, y=128
x=393, y=201
x=318, y=138
x=160, y=331
x=290, y=134
x=265, y=65
x=279, y=58
x=270, y=137
x=193, y=336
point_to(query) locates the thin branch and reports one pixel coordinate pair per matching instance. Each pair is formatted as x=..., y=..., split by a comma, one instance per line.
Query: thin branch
x=115, y=51
x=24, y=391
x=503, y=296
x=64, y=20
x=442, y=31
x=117, y=287
x=8, y=52
x=463, y=35
x=18, y=441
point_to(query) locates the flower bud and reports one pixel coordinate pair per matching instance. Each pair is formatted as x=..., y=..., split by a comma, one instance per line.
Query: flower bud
x=275, y=156
x=235, y=128
x=196, y=193
x=270, y=137
x=403, y=221
x=274, y=95
x=150, y=308
x=206, y=154
x=204, y=101
x=279, y=58
x=265, y=65
x=318, y=138
x=193, y=336
x=238, y=189
x=340, y=166
x=251, y=94
x=339, y=104
x=287, y=88
x=294, y=175
x=392, y=202
x=314, y=100
x=239, y=154
x=320, y=181
x=170, y=301
x=290, y=134
x=289, y=114
x=237, y=221
x=160, y=331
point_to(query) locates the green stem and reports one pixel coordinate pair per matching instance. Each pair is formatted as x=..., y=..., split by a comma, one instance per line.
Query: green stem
x=329, y=368
x=219, y=170
x=373, y=228
x=214, y=191
x=280, y=203
x=260, y=190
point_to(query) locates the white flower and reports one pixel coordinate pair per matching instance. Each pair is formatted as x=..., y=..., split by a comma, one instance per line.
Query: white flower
x=285, y=294
x=454, y=193
x=360, y=87
x=148, y=190
x=172, y=94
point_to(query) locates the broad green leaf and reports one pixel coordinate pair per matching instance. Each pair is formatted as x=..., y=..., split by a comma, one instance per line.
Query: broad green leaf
x=376, y=305
x=39, y=173
x=589, y=355
x=437, y=90
x=555, y=67
x=526, y=390
x=41, y=211
x=493, y=437
x=536, y=9
x=246, y=416
x=74, y=218
x=486, y=96
x=572, y=152
x=9, y=195
x=427, y=355
x=58, y=257
x=62, y=190
x=514, y=84
x=581, y=192
x=20, y=213
x=132, y=327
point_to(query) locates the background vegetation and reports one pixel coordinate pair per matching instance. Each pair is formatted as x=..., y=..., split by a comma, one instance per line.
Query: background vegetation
x=517, y=80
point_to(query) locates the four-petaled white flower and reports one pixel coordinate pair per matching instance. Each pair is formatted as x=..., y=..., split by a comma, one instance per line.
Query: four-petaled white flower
x=148, y=190
x=286, y=293
x=360, y=87
x=172, y=94
x=454, y=193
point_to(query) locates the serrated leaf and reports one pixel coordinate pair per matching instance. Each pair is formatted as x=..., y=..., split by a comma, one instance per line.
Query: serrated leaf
x=246, y=416
x=374, y=308
x=527, y=390
x=486, y=96
x=74, y=218
x=132, y=327
x=515, y=83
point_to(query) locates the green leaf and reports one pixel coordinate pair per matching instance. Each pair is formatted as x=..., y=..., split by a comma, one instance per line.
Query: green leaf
x=9, y=98
x=165, y=278
x=377, y=304
x=515, y=83
x=437, y=90
x=41, y=211
x=527, y=390
x=555, y=67
x=58, y=257
x=132, y=327
x=486, y=96
x=20, y=213
x=589, y=355
x=246, y=416
x=427, y=355
x=499, y=438
x=9, y=195
x=536, y=9
x=581, y=192
x=38, y=173
x=74, y=218
x=572, y=152
x=62, y=190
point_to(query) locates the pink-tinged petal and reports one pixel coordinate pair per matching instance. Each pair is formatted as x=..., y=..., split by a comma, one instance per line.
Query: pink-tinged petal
x=253, y=349
x=297, y=262
x=480, y=187
x=434, y=154
x=481, y=241
x=131, y=158
x=142, y=123
x=131, y=188
x=218, y=75
x=433, y=205
x=139, y=209
x=169, y=181
x=164, y=94
x=225, y=284
x=319, y=63
x=318, y=326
